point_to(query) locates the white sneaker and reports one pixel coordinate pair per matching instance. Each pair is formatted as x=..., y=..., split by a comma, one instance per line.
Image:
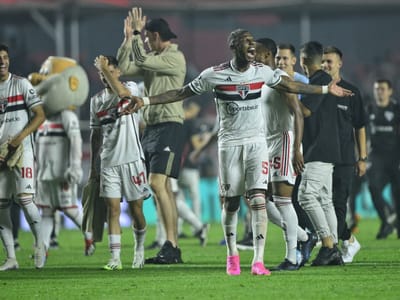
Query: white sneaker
x=9, y=264
x=113, y=264
x=40, y=256
x=138, y=260
x=350, y=249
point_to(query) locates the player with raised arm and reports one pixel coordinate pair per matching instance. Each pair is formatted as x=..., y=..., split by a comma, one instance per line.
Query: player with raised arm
x=243, y=156
x=123, y=171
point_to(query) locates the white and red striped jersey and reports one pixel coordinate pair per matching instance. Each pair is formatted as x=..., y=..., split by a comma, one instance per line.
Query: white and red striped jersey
x=17, y=97
x=238, y=100
x=121, y=143
x=278, y=117
x=53, y=141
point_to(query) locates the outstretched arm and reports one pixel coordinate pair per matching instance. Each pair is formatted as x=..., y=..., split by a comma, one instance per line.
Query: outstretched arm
x=288, y=85
x=164, y=98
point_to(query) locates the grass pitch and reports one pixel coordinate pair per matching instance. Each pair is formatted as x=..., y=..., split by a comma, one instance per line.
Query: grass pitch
x=68, y=274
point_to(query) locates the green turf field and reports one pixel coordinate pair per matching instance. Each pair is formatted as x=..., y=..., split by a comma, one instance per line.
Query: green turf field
x=68, y=274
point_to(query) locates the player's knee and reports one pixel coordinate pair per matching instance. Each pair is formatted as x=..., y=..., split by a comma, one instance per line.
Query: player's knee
x=24, y=199
x=257, y=200
x=47, y=212
x=232, y=204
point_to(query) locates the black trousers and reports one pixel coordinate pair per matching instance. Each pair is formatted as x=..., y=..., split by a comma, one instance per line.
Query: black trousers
x=384, y=169
x=342, y=184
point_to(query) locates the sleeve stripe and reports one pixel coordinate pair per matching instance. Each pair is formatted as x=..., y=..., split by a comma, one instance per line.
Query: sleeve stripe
x=137, y=51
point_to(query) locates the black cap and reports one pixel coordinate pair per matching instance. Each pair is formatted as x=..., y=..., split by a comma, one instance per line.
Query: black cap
x=161, y=26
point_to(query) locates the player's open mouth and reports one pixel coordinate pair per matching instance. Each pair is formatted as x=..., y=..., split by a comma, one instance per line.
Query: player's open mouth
x=251, y=52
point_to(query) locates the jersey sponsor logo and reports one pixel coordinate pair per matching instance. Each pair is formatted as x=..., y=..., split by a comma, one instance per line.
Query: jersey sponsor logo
x=233, y=108
x=389, y=115
x=3, y=105
x=226, y=186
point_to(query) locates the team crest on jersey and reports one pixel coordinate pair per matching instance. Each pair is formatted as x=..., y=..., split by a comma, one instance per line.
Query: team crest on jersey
x=243, y=90
x=389, y=115
x=3, y=105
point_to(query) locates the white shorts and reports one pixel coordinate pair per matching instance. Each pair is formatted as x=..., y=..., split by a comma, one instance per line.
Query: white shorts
x=129, y=180
x=243, y=168
x=18, y=181
x=281, y=153
x=56, y=194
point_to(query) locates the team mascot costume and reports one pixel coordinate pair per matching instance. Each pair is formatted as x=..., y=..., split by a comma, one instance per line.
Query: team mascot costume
x=63, y=85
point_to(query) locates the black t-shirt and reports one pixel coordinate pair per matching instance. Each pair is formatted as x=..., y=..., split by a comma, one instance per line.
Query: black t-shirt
x=351, y=115
x=384, y=129
x=321, y=137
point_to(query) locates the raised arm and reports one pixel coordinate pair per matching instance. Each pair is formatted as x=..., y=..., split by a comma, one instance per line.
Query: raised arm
x=101, y=63
x=288, y=85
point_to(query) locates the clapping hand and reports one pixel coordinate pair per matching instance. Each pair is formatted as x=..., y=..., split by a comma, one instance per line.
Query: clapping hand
x=137, y=20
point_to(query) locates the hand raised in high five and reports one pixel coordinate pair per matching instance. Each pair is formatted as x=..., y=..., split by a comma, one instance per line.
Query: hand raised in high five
x=101, y=62
x=128, y=30
x=338, y=91
x=138, y=21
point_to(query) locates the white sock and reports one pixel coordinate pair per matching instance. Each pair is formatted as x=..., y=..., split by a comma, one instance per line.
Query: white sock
x=290, y=224
x=229, y=222
x=259, y=221
x=273, y=214
x=5, y=228
x=88, y=235
x=47, y=225
x=32, y=216
x=187, y=214
x=302, y=235
x=75, y=214
x=139, y=236
x=114, y=244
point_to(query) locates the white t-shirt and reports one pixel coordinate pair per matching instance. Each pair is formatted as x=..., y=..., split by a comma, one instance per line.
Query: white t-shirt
x=278, y=117
x=238, y=100
x=121, y=143
x=17, y=97
x=54, y=144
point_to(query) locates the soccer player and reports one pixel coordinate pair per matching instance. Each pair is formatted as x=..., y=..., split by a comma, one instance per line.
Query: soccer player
x=21, y=113
x=352, y=119
x=384, y=122
x=284, y=132
x=162, y=68
x=242, y=147
x=59, y=163
x=123, y=172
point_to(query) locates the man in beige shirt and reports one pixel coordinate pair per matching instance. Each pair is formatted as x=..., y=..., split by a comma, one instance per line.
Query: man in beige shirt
x=162, y=69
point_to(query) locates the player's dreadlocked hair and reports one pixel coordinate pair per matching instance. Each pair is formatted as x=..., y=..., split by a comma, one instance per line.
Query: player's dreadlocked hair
x=234, y=37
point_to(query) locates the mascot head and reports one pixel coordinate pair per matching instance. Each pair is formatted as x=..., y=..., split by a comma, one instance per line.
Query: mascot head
x=61, y=83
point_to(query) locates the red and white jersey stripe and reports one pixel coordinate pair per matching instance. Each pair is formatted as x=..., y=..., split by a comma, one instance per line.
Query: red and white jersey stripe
x=238, y=100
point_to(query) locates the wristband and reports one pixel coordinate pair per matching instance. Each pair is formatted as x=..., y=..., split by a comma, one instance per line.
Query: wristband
x=146, y=100
x=325, y=89
x=136, y=32
x=364, y=159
